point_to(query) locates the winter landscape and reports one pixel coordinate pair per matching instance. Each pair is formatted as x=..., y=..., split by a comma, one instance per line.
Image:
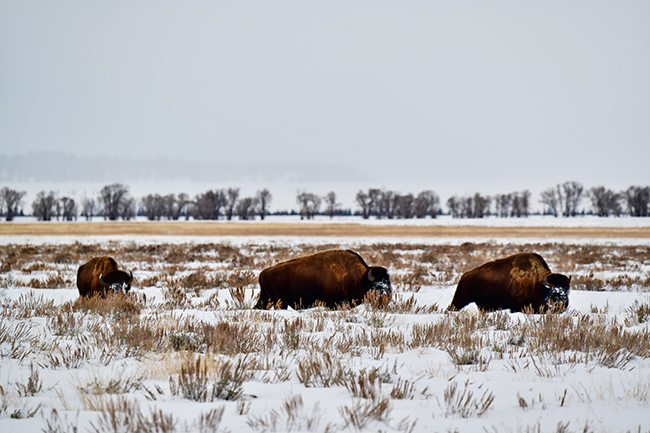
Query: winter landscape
x=185, y=350
x=199, y=143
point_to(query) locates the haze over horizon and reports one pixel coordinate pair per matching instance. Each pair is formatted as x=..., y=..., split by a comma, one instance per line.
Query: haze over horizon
x=460, y=96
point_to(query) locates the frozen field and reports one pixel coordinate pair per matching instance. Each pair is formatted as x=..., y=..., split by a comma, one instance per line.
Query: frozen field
x=185, y=352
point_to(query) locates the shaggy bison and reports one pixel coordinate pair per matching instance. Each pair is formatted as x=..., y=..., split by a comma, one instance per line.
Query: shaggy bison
x=333, y=278
x=518, y=282
x=100, y=276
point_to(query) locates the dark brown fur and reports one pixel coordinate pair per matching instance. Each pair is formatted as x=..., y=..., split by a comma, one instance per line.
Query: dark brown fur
x=88, y=281
x=515, y=282
x=332, y=277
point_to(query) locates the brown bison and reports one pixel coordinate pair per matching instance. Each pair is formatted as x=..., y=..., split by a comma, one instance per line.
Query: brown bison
x=100, y=276
x=519, y=282
x=332, y=278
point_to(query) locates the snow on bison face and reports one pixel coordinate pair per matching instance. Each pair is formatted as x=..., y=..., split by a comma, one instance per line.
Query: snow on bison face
x=117, y=281
x=379, y=280
x=557, y=288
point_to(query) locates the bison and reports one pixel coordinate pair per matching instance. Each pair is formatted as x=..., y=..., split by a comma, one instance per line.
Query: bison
x=332, y=278
x=519, y=282
x=100, y=276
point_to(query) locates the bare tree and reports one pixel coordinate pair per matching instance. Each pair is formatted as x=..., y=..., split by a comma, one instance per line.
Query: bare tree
x=572, y=196
x=605, y=202
x=405, y=206
x=426, y=203
x=331, y=206
x=524, y=204
x=520, y=202
x=309, y=204
x=88, y=206
x=68, y=208
x=127, y=208
x=388, y=202
x=231, y=197
x=454, y=206
x=363, y=200
x=476, y=206
x=374, y=195
x=43, y=206
x=264, y=197
x=114, y=198
x=173, y=206
x=208, y=205
x=481, y=206
x=246, y=208
x=10, y=199
x=183, y=203
x=502, y=204
x=467, y=207
x=549, y=198
x=638, y=200
x=152, y=206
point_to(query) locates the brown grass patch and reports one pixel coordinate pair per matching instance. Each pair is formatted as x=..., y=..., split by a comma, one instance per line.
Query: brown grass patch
x=205, y=228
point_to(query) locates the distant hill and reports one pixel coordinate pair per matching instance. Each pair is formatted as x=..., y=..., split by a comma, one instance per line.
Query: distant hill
x=64, y=167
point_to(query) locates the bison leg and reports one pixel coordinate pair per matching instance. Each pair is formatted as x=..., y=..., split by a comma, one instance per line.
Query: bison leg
x=458, y=302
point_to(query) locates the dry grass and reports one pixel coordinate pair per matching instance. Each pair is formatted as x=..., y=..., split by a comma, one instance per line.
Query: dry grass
x=200, y=340
x=222, y=228
x=462, y=401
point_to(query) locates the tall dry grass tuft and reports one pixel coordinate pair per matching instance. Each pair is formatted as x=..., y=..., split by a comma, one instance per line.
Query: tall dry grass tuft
x=463, y=403
x=365, y=384
x=361, y=412
x=637, y=313
x=120, y=305
x=33, y=386
x=605, y=341
x=29, y=305
x=231, y=338
x=320, y=370
x=290, y=417
x=203, y=380
x=120, y=415
x=210, y=421
x=403, y=390
x=462, y=335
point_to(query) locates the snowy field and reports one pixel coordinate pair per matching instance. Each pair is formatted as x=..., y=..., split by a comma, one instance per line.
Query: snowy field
x=443, y=220
x=186, y=352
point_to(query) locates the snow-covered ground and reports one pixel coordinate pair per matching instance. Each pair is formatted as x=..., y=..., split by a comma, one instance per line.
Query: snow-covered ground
x=413, y=368
x=442, y=220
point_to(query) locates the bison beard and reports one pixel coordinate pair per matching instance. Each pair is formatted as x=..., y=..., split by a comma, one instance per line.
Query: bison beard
x=331, y=278
x=521, y=282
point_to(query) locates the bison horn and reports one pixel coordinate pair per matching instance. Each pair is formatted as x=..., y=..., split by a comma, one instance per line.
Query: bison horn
x=371, y=277
x=130, y=275
x=101, y=280
x=546, y=283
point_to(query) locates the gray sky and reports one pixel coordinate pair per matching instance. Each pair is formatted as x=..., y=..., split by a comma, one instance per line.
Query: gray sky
x=480, y=92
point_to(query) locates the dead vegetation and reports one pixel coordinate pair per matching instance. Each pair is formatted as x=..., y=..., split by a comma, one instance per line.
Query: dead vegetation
x=200, y=340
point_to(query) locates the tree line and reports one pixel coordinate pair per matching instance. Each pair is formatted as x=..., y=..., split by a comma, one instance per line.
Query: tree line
x=114, y=202
x=391, y=204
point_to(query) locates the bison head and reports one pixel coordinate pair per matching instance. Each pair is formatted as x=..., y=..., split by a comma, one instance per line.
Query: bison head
x=557, y=288
x=117, y=281
x=377, y=279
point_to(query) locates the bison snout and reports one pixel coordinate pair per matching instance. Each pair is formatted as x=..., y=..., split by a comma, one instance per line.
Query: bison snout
x=558, y=298
x=383, y=287
x=119, y=287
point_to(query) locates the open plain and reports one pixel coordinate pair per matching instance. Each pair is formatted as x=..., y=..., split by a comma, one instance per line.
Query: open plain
x=185, y=351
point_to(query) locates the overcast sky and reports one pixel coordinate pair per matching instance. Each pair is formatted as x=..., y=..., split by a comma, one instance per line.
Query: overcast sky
x=452, y=91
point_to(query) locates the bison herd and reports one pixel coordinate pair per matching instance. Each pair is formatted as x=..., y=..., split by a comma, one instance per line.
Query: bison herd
x=522, y=282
